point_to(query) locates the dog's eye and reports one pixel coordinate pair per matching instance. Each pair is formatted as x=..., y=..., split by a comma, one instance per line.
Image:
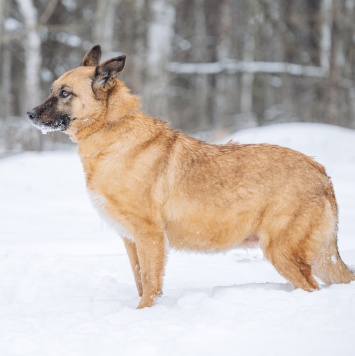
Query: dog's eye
x=64, y=94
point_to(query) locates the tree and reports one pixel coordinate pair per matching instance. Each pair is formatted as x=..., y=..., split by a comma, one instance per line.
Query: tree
x=32, y=54
x=203, y=65
x=105, y=14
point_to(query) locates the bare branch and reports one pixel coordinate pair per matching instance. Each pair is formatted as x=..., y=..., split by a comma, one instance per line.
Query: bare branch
x=48, y=12
x=235, y=66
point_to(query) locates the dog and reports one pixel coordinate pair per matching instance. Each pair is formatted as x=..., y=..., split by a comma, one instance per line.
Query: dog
x=160, y=188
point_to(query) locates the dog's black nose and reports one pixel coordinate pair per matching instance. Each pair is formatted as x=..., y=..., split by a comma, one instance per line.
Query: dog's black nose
x=32, y=114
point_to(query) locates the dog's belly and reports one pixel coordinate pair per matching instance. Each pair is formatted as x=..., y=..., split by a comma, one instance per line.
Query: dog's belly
x=191, y=225
x=207, y=238
x=194, y=233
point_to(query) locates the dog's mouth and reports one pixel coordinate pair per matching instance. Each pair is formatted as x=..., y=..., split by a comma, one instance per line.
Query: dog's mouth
x=61, y=124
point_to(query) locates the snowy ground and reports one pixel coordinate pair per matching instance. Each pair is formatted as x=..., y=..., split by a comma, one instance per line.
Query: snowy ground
x=66, y=286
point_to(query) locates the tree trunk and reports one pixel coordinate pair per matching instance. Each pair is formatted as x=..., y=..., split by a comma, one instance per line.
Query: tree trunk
x=3, y=93
x=223, y=53
x=33, y=58
x=2, y=17
x=247, y=80
x=200, y=54
x=159, y=37
x=6, y=92
x=313, y=11
x=326, y=34
x=104, y=24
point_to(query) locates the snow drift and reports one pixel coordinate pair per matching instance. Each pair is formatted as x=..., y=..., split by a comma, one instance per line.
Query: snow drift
x=66, y=286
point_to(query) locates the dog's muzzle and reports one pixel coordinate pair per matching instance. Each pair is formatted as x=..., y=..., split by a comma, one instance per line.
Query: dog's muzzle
x=32, y=114
x=59, y=123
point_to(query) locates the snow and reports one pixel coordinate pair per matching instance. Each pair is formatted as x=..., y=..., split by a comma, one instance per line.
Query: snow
x=66, y=287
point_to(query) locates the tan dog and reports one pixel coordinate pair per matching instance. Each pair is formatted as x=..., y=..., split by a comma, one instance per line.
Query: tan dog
x=161, y=188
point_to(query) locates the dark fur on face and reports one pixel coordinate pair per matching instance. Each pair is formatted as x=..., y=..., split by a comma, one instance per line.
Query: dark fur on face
x=70, y=94
x=47, y=117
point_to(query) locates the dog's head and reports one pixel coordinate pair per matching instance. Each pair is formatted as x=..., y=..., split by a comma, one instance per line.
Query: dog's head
x=78, y=96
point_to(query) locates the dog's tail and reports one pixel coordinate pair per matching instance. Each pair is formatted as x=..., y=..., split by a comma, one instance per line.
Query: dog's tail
x=329, y=266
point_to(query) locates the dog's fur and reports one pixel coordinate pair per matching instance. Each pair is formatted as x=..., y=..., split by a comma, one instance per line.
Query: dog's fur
x=161, y=188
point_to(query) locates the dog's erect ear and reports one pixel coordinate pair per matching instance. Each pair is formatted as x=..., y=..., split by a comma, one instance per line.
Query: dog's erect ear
x=92, y=58
x=105, y=72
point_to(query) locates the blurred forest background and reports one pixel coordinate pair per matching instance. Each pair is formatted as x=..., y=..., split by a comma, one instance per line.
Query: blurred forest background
x=209, y=67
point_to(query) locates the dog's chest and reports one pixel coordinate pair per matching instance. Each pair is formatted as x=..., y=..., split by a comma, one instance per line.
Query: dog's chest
x=100, y=204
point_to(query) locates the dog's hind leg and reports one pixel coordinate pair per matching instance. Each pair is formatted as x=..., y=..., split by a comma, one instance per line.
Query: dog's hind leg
x=133, y=258
x=291, y=251
x=294, y=268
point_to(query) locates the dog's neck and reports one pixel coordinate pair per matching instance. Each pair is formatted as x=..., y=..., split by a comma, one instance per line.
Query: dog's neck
x=120, y=103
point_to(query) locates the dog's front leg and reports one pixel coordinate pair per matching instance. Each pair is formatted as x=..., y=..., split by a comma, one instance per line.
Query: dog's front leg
x=151, y=255
x=133, y=258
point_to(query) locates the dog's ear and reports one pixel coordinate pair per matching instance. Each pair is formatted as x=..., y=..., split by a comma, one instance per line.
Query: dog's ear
x=92, y=58
x=105, y=72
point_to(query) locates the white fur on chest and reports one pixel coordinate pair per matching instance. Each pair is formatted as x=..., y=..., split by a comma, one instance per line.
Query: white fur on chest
x=99, y=203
